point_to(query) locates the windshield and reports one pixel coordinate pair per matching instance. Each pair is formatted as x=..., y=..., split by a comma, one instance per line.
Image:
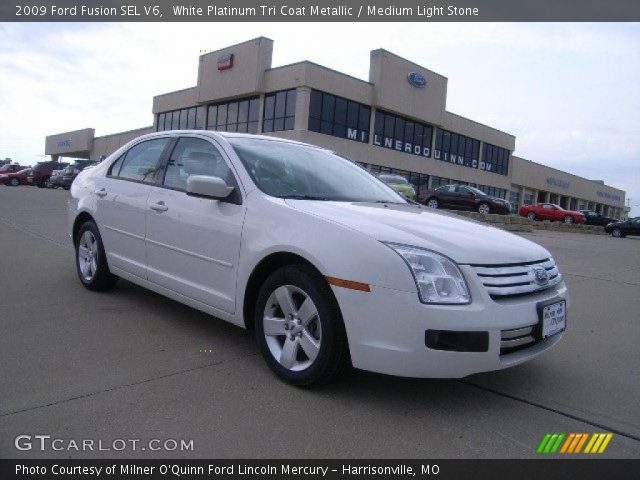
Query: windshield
x=288, y=170
x=393, y=179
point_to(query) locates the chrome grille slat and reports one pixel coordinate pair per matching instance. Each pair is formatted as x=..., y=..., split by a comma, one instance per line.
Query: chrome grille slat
x=509, y=280
x=517, y=342
x=518, y=332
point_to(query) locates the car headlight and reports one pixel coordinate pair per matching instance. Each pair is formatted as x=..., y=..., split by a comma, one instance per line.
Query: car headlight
x=439, y=280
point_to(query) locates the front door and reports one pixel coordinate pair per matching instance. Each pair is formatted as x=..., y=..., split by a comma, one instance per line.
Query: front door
x=193, y=243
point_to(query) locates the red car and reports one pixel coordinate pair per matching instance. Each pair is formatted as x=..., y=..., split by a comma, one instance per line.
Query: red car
x=550, y=211
x=15, y=178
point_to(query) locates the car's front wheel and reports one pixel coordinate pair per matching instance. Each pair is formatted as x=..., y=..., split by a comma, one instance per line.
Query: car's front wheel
x=616, y=232
x=531, y=215
x=299, y=327
x=568, y=219
x=484, y=208
x=14, y=182
x=433, y=203
x=91, y=260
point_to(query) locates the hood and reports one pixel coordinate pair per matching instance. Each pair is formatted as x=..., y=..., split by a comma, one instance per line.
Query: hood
x=464, y=241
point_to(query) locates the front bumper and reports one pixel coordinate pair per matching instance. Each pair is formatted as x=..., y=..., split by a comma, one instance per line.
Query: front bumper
x=386, y=330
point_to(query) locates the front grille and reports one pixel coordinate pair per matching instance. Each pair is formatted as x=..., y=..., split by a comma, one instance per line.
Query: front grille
x=517, y=339
x=517, y=279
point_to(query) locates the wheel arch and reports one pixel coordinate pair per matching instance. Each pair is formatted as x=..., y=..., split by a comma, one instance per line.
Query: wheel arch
x=259, y=274
x=80, y=220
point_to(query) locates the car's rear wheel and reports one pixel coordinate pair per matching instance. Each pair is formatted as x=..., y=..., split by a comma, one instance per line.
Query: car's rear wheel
x=299, y=327
x=531, y=215
x=616, y=232
x=433, y=203
x=568, y=219
x=14, y=182
x=91, y=261
x=484, y=208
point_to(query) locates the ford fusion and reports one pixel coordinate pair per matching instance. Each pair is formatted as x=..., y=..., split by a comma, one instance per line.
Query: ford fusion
x=327, y=265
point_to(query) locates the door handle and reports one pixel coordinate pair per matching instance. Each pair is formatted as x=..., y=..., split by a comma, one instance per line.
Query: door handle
x=159, y=207
x=101, y=193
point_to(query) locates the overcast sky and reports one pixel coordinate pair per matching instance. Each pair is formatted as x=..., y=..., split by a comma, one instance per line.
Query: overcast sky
x=568, y=92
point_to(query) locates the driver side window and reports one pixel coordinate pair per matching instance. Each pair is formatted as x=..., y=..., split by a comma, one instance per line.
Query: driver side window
x=195, y=156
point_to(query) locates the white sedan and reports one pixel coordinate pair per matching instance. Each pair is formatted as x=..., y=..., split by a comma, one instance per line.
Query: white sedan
x=328, y=265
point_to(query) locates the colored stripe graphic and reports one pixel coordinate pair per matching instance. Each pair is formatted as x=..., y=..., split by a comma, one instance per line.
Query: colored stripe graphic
x=550, y=443
x=572, y=443
x=543, y=443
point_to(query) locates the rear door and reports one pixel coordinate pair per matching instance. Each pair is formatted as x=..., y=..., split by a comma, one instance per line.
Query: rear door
x=193, y=243
x=122, y=204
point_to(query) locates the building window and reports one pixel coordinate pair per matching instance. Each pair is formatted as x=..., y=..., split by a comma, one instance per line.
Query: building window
x=439, y=181
x=279, y=111
x=514, y=199
x=402, y=134
x=459, y=149
x=236, y=116
x=495, y=159
x=339, y=117
x=185, y=119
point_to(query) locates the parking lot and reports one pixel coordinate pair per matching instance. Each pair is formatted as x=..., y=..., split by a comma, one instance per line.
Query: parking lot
x=131, y=364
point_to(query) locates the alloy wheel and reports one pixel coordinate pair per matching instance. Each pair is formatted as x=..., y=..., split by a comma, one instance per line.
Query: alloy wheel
x=483, y=208
x=433, y=203
x=568, y=219
x=616, y=233
x=88, y=255
x=531, y=216
x=292, y=327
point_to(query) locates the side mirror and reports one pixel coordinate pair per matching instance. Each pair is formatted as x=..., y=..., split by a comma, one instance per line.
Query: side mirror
x=208, y=187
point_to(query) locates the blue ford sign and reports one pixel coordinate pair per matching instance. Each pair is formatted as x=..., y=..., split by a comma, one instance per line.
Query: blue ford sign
x=417, y=80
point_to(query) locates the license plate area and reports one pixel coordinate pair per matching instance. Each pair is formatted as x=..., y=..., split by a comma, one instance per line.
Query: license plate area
x=552, y=318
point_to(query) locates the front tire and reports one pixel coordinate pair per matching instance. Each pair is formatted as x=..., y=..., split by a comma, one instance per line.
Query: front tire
x=299, y=327
x=433, y=203
x=617, y=233
x=91, y=260
x=568, y=219
x=14, y=182
x=531, y=216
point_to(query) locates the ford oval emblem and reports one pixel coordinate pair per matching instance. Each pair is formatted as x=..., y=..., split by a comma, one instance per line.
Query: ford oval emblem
x=540, y=276
x=417, y=80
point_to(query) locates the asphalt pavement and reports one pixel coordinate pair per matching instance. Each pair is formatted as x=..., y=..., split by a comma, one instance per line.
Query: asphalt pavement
x=132, y=365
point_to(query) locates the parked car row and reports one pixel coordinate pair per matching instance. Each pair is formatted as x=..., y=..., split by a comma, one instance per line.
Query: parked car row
x=44, y=174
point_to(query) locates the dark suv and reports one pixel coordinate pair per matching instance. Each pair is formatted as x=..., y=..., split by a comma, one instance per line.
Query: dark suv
x=71, y=172
x=42, y=172
x=464, y=197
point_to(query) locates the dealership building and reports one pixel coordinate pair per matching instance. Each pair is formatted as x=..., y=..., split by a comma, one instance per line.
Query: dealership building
x=396, y=122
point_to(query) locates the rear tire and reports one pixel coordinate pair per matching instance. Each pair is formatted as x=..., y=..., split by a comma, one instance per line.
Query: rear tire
x=14, y=182
x=91, y=260
x=299, y=327
x=617, y=233
x=531, y=215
